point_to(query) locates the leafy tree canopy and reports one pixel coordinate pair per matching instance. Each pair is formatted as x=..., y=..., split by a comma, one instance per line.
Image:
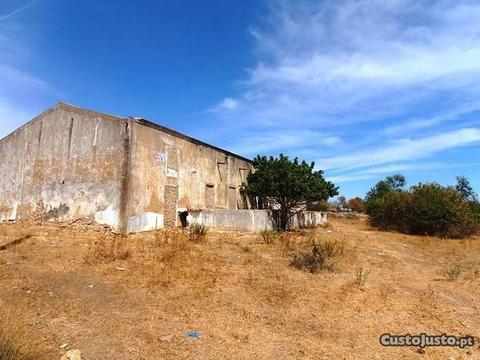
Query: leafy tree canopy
x=390, y=183
x=287, y=185
x=463, y=187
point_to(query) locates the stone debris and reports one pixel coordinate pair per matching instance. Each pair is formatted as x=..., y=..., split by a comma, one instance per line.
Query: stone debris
x=72, y=355
x=166, y=338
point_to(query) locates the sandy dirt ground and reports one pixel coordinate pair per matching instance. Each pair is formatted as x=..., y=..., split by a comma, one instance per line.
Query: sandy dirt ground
x=138, y=297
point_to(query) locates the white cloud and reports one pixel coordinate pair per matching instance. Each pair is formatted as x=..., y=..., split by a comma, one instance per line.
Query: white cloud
x=339, y=179
x=403, y=149
x=274, y=142
x=229, y=104
x=359, y=60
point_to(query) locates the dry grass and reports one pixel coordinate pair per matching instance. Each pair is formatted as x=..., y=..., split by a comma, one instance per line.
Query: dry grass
x=172, y=255
x=240, y=293
x=17, y=340
x=270, y=236
x=108, y=249
x=361, y=276
x=322, y=255
x=197, y=232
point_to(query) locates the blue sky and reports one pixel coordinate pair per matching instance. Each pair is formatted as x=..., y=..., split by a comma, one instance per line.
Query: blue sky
x=364, y=88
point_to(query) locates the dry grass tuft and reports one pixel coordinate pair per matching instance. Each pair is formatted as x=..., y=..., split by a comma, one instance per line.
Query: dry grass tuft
x=108, y=250
x=270, y=236
x=17, y=342
x=197, y=232
x=321, y=255
x=361, y=276
x=456, y=270
x=453, y=272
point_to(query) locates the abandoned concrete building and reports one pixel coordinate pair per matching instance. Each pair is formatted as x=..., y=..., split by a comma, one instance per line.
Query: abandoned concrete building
x=127, y=173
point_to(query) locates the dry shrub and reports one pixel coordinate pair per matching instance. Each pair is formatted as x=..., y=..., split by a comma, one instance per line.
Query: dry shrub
x=453, y=272
x=463, y=268
x=361, y=276
x=17, y=341
x=108, y=249
x=321, y=255
x=245, y=249
x=270, y=236
x=197, y=232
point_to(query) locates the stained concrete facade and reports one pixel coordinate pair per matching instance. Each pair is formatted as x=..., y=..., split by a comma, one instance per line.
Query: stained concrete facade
x=130, y=174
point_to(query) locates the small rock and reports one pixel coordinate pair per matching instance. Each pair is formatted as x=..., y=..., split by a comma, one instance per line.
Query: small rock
x=64, y=346
x=166, y=338
x=421, y=351
x=120, y=269
x=90, y=286
x=72, y=355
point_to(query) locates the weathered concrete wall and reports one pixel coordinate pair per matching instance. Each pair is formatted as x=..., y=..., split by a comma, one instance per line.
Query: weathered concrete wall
x=253, y=220
x=170, y=173
x=65, y=164
x=130, y=174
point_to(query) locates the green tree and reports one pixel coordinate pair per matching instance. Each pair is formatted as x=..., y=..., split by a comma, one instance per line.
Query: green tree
x=463, y=187
x=287, y=186
x=468, y=194
x=424, y=209
x=383, y=187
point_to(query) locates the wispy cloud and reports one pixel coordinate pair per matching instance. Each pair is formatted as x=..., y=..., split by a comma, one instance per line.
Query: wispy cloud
x=20, y=78
x=335, y=57
x=404, y=149
x=381, y=171
x=22, y=93
x=18, y=10
x=276, y=141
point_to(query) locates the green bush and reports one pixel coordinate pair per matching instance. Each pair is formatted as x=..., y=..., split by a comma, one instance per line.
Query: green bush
x=425, y=209
x=441, y=211
x=392, y=211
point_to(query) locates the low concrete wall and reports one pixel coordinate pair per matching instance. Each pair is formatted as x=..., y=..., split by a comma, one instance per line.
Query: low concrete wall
x=145, y=222
x=252, y=220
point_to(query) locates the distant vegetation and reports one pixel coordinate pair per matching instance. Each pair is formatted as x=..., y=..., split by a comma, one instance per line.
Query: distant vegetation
x=424, y=209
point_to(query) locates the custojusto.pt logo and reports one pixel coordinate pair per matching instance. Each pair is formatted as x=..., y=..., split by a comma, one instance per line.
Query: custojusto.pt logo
x=424, y=340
